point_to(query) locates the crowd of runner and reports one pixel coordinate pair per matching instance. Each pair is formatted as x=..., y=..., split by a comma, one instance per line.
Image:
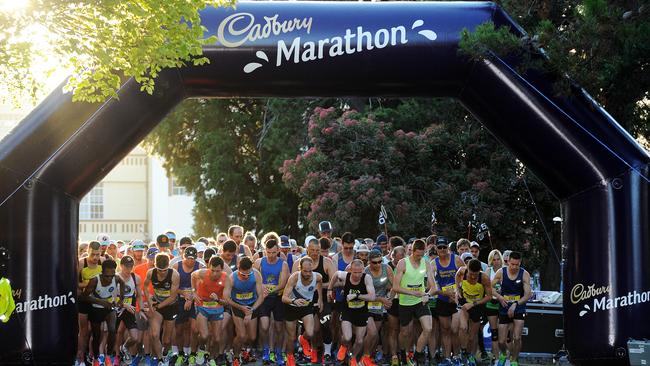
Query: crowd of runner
x=235, y=299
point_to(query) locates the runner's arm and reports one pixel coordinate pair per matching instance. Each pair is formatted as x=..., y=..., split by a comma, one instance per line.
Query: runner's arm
x=485, y=280
x=284, y=276
x=527, y=290
x=319, y=289
x=337, y=281
x=288, y=289
x=147, y=283
x=259, y=289
x=433, y=286
x=121, y=286
x=196, y=277
x=138, y=293
x=370, y=288
x=497, y=280
x=459, y=280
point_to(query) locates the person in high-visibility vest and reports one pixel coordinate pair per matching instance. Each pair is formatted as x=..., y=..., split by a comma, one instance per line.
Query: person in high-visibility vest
x=7, y=304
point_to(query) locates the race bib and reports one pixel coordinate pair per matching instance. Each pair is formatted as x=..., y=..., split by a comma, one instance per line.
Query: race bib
x=512, y=297
x=448, y=288
x=211, y=304
x=128, y=300
x=356, y=304
x=375, y=305
x=472, y=297
x=244, y=296
x=185, y=291
x=162, y=293
x=416, y=287
x=271, y=287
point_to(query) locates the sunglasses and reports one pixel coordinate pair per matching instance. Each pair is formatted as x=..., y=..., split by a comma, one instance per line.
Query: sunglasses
x=441, y=247
x=244, y=274
x=375, y=262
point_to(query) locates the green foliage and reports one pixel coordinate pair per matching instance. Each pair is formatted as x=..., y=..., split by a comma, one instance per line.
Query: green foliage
x=101, y=42
x=227, y=153
x=447, y=162
x=602, y=45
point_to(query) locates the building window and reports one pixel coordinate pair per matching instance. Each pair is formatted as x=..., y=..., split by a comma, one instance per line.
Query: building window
x=92, y=205
x=176, y=189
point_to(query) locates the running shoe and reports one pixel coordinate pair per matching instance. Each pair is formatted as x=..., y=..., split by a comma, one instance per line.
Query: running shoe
x=456, y=361
x=514, y=363
x=153, y=361
x=236, y=362
x=471, y=361
x=272, y=356
x=96, y=363
x=101, y=360
x=212, y=362
x=291, y=361
x=200, y=357
x=266, y=356
x=502, y=360
x=367, y=361
x=445, y=362
x=304, y=343
x=180, y=360
x=353, y=361
x=280, y=358
x=379, y=357
x=341, y=353
x=394, y=361
x=135, y=361
x=314, y=356
x=192, y=359
x=327, y=359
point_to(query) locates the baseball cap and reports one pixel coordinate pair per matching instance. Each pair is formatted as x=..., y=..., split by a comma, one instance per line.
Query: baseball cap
x=103, y=239
x=284, y=242
x=151, y=253
x=112, y=242
x=191, y=252
x=308, y=239
x=185, y=240
x=162, y=240
x=466, y=256
x=325, y=227
x=293, y=243
x=138, y=245
x=441, y=240
x=475, y=244
x=363, y=249
x=127, y=260
x=200, y=247
x=171, y=235
x=381, y=239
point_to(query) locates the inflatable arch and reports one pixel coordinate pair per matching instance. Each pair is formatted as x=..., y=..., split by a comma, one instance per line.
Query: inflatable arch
x=296, y=49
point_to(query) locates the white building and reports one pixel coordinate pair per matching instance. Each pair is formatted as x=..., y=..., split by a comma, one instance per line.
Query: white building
x=136, y=200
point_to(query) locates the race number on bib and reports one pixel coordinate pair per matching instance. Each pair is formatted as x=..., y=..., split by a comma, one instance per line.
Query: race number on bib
x=244, y=296
x=512, y=297
x=356, y=304
x=211, y=304
x=375, y=305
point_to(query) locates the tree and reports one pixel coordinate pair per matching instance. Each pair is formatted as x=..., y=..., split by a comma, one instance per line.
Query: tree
x=413, y=156
x=600, y=44
x=100, y=41
x=227, y=152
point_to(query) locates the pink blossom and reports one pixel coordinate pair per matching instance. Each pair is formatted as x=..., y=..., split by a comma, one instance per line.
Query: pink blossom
x=327, y=130
x=350, y=122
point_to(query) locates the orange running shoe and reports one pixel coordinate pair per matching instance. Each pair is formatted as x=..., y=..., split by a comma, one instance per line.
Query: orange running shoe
x=367, y=361
x=291, y=361
x=96, y=362
x=236, y=362
x=304, y=343
x=341, y=354
x=108, y=361
x=314, y=355
x=353, y=361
